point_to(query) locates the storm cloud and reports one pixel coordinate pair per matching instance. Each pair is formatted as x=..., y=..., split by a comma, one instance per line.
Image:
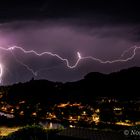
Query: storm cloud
x=99, y=29
x=65, y=38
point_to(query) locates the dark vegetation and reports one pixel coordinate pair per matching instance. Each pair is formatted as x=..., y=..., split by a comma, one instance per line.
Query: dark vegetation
x=35, y=132
x=31, y=133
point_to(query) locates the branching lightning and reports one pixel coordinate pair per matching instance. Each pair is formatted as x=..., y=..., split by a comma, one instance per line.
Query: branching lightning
x=66, y=61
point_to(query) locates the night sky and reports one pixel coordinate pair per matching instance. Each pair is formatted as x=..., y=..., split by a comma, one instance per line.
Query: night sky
x=98, y=28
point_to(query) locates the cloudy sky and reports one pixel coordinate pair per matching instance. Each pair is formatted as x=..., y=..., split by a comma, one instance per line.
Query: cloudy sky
x=99, y=29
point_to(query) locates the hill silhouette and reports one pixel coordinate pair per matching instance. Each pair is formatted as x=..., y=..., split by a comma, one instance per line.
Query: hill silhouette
x=93, y=85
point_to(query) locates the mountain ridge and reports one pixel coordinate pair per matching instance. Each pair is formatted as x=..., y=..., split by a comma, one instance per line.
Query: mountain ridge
x=118, y=84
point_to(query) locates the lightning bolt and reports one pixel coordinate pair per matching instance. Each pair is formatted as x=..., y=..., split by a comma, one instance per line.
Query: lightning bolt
x=120, y=59
x=66, y=61
x=79, y=55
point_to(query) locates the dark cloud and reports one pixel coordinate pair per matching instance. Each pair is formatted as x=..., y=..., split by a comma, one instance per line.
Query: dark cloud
x=102, y=29
x=112, y=10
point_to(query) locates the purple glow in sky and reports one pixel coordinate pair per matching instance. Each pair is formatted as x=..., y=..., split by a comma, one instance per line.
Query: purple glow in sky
x=65, y=38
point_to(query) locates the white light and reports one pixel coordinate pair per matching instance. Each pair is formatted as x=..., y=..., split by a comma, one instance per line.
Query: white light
x=79, y=55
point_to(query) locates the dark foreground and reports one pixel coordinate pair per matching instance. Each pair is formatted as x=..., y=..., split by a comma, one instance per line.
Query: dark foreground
x=38, y=133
